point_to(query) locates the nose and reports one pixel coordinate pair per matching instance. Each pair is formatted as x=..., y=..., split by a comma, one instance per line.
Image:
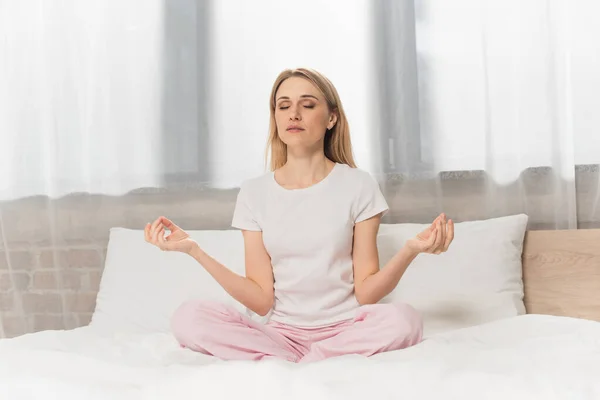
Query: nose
x=295, y=114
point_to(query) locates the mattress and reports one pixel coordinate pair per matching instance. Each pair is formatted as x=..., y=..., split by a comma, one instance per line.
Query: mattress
x=525, y=357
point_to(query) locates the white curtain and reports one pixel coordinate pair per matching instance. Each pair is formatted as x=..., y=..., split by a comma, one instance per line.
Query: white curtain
x=508, y=85
x=498, y=95
x=80, y=97
x=112, y=96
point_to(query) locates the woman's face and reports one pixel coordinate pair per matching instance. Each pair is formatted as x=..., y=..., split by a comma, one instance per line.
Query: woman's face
x=301, y=113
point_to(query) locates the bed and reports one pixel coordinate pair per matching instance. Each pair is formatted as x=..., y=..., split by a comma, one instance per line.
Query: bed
x=550, y=349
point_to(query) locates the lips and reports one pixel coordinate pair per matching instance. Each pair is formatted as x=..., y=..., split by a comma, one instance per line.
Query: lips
x=294, y=128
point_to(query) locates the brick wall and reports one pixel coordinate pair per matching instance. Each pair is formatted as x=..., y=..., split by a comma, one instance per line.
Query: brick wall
x=52, y=251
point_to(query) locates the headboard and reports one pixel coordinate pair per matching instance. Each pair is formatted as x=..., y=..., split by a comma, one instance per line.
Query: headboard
x=561, y=273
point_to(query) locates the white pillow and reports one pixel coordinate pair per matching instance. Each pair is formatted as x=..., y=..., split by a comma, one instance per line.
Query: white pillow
x=142, y=286
x=478, y=280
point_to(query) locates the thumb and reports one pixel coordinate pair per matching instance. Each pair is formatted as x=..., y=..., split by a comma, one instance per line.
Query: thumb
x=169, y=224
x=434, y=224
x=431, y=227
x=428, y=244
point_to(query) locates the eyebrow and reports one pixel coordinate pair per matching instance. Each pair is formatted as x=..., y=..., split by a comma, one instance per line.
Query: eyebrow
x=304, y=96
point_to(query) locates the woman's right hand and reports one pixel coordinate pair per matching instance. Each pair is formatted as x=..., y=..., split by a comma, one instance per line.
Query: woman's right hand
x=176, y=240
x=435, y=239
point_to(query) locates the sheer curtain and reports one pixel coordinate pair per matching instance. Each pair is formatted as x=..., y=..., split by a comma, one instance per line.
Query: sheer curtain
x=80, y=102
x=115, y=112
x=492, y=106
x=115, y=96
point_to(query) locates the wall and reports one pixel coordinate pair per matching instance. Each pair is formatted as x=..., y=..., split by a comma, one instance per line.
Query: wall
x=50, y=274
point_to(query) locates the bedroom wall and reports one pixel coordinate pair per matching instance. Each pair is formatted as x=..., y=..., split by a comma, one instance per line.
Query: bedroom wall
x=52, y=251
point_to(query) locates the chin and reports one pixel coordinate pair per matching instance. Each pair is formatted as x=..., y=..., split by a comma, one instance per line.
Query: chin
x=293, y=138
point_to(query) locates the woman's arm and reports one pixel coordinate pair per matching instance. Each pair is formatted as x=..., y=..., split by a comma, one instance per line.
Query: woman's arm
x=255, y=290
x=372, y=284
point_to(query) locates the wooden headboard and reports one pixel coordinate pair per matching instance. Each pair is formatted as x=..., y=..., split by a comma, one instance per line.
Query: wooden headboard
x=561, y=273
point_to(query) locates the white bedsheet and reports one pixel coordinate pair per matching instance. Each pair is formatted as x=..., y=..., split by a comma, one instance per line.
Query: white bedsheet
x=526, y=357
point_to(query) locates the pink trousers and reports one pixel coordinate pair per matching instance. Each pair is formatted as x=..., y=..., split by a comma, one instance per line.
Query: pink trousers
x=221, y=331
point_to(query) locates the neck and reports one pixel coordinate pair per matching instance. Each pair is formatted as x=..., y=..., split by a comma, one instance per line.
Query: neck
x=305, y=170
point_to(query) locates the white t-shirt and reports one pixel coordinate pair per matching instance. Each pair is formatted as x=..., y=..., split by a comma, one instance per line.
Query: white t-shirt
x=309, y=234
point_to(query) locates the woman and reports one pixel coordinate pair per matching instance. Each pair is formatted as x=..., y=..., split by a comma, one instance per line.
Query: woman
x=311, y=259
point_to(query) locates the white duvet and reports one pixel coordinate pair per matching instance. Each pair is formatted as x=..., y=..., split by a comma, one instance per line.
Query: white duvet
x=526, y=357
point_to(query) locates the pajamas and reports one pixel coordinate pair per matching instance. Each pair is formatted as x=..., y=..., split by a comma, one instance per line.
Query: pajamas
x=221, y=331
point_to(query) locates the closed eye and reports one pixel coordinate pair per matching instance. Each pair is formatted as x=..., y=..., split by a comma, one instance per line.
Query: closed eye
x=286, y=107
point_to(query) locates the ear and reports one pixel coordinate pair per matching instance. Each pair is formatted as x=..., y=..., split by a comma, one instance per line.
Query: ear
x=332, y=120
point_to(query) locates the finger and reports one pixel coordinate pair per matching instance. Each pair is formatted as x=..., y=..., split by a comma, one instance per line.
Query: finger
x=155, y=234
x=434, y=224
x=161, y=238
x=443, y=234
x=450, y=235
x=428, y=245
x=150, y=233
x=426, y=234
x=154, y=226
x=169, y=224
x=438, y=238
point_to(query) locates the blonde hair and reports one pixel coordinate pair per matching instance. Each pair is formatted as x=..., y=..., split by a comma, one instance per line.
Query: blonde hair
x=338, y=147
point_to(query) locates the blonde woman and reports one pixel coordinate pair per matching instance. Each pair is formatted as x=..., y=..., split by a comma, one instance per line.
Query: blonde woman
x=309, y=228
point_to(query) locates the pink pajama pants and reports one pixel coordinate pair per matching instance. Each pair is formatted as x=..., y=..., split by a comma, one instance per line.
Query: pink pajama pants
x=221, y=331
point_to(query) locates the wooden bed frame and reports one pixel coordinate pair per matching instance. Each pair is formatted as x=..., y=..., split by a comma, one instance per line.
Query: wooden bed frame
x=561, y=273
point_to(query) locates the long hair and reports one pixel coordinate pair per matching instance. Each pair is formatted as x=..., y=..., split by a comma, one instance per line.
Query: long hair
x=337, y=146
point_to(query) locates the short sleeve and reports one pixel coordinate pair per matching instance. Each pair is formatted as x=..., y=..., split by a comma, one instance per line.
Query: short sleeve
x=370, y=200
x=243, y=217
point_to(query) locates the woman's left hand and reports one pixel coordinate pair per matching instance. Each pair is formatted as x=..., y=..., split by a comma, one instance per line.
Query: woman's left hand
x=435, y=239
